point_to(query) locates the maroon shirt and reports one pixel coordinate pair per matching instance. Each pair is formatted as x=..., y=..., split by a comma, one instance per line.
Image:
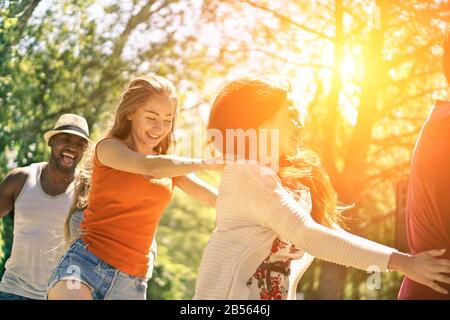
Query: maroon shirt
x=428, y=204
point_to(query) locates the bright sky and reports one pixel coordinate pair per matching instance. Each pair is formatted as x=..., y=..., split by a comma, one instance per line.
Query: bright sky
x=302, y=79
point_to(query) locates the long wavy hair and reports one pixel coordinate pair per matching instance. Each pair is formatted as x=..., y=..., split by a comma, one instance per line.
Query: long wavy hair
x=249, y=102
x=134, y=96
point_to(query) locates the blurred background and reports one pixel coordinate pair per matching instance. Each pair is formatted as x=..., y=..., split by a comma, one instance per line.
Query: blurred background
x=364, y=75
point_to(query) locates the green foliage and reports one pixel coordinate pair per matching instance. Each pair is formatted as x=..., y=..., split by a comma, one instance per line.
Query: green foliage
x=6, y=239
x=60, y=59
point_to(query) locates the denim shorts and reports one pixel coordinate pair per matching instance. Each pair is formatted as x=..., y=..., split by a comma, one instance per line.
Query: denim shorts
x=79, y=265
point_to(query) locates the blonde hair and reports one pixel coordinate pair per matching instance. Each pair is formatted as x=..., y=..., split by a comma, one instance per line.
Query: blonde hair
x=134, y=96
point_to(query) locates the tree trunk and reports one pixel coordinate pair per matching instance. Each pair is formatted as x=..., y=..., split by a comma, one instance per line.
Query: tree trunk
x=332, y=281
x=332, y=276
x=350, y=182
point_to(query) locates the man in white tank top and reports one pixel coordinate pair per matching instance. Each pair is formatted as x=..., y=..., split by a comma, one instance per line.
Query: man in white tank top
x=41, y=196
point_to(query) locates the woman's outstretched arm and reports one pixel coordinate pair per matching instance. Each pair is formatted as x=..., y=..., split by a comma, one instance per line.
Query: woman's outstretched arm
x=115, y=154
x=410, y=266
x=197, y=188
x=291, y=219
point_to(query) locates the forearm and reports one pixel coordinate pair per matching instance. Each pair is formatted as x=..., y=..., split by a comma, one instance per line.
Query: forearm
x=344, y=248
x=116, y=155
x=398, y=261
x=339, y=247
x=198, y=189
x=208, y=196
x=173, y=166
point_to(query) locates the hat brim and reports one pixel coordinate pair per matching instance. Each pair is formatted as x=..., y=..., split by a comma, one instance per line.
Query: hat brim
x=52, y=133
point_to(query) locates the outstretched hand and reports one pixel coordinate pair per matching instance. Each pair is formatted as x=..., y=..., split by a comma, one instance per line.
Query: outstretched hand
x=425, y=268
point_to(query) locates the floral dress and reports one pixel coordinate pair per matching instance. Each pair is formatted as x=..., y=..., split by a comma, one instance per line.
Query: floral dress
x=271, y=279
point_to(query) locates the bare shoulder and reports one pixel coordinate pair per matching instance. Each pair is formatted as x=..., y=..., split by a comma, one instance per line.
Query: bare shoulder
x=15, y=180
x=18, y=174
x=109, y=145
x=115, y=153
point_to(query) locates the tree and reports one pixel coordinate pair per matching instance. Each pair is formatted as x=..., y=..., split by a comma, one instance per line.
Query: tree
x=362, y=124
x=76, y=56
x=363, y=72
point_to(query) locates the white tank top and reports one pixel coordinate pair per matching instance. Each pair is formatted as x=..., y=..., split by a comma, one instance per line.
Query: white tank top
x=38, y=241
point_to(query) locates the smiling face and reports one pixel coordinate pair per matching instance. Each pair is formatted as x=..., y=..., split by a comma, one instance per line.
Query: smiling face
x=151, y=123
x=66, y=151
x=287, y=121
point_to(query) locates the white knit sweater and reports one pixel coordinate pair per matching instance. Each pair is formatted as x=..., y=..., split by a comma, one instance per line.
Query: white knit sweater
x=252, y=210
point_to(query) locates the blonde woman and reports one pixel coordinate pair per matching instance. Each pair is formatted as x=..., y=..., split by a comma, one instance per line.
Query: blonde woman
x=125, y=193
x=270, y=223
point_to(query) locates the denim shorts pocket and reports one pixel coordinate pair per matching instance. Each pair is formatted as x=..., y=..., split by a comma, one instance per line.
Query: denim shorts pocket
x=102, y=266
x=82, y=256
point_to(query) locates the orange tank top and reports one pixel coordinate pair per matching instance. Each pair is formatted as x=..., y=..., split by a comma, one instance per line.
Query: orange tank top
x=122, y=215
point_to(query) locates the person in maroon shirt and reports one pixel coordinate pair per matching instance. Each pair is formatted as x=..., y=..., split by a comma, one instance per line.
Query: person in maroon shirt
x=428, y=204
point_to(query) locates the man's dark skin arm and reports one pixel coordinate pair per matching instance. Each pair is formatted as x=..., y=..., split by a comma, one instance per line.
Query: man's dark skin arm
x=10, y=189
